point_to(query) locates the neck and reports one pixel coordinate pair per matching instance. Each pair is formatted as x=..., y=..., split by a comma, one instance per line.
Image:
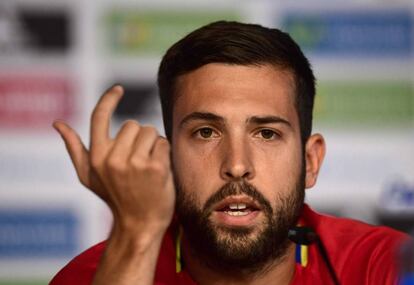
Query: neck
x=279, y=271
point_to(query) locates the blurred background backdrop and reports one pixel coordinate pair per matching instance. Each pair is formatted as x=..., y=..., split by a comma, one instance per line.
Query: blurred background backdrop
x=57, y=57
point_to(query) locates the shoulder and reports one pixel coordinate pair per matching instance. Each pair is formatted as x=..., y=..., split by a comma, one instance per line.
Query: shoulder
x=346, y=232
x=82, y=268
x=364, y=253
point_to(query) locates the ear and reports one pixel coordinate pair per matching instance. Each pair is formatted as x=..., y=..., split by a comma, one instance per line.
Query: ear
x=314, y=154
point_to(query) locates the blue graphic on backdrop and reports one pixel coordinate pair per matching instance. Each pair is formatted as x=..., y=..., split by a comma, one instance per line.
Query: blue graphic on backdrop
x=358, y=33
x=46, y=233
x=398, y=196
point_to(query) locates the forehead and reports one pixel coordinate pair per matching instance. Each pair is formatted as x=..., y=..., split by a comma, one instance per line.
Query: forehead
x=236, y=91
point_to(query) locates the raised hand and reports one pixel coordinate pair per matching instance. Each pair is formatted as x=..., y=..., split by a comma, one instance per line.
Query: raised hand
x=130, y=172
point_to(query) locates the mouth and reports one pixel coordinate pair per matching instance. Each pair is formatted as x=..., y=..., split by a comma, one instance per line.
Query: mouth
x=236, y=211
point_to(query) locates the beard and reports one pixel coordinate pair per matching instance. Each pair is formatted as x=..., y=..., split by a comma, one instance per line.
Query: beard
x=245, y=250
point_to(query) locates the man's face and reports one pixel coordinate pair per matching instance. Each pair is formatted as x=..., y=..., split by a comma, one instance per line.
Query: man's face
x=237, y=160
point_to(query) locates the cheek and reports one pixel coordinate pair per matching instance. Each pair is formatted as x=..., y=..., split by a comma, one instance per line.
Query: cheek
x=196, y=171
x=277, y=169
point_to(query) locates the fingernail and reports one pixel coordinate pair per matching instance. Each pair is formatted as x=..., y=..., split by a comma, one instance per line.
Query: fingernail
x=118, y=87
x=54, y=124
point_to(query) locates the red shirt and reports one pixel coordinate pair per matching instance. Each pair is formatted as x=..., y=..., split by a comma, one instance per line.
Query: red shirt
x=361, y=254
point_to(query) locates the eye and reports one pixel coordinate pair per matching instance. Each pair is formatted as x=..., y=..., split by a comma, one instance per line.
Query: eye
x=205, y=133
x=268, y=134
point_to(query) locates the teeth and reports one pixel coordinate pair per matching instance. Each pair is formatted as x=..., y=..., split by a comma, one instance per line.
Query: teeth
x=237, y=206
x=233, y=206
x=237, y=213
x=241, y=206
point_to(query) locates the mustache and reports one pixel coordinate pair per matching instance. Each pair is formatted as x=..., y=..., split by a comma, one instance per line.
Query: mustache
x=238, y=188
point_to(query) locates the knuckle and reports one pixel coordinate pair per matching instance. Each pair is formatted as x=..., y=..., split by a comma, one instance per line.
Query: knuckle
x=150, y=131
x=113, y=164
x=163, y=149
x=164, y=143
x=148, y=167
x=137, y=163
x=131, y=124
x=156, y=167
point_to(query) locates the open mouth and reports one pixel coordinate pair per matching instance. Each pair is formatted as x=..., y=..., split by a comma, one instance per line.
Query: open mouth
x=237, y=210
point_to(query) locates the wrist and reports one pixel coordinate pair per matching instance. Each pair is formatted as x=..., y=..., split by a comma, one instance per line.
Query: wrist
x=136, y=238
x=130, y=257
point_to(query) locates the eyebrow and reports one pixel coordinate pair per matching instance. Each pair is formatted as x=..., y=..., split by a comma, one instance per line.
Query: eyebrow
x=211, y=117
x=258, y=120
x=204, y=116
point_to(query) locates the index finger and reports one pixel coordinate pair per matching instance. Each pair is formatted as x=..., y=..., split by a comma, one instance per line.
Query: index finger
x=101, y=116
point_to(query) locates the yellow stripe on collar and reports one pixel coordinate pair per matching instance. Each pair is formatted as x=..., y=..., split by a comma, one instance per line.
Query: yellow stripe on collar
x=178, y=265
x=304, y=251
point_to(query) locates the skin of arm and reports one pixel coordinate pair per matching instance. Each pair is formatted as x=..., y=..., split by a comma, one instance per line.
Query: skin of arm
x=132, y=174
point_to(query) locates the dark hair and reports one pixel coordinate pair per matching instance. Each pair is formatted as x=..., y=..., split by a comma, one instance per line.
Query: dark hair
x=238, y=44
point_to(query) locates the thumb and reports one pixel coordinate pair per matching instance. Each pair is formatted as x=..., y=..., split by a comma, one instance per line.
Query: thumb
x=77, y=151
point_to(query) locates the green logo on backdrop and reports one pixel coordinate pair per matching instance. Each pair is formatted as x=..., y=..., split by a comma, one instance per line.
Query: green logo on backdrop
x=307, y=33
x=152, y=32
x=373, y=103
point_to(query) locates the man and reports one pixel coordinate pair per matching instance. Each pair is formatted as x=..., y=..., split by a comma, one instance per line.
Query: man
x=237, y=105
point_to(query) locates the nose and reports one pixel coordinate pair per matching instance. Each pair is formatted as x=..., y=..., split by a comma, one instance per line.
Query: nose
x=236, y=161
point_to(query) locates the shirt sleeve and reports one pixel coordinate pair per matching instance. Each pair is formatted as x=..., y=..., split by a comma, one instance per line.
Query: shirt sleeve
x=81, y=269
x=383, y=266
